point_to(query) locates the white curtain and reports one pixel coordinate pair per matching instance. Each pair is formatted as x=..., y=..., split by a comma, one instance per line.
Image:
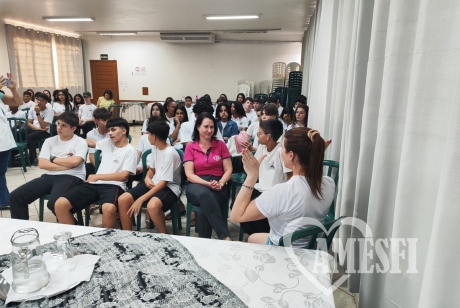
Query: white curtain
x=30, y=56
x=69, y=53
x=383, y=84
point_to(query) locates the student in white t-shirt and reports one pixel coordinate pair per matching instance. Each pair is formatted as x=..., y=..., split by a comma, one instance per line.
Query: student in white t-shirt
x=189, y=107
x=301, y=117
x=287, y=117
x=307, y=194
x=119, y=160
x=101, y=116
x=63, y=157
x=40, y=119
x=161, y=187
x=64, y=103
x=85, y=114
x=239, y=116
x=253, y=128
x=250, y=113
x=27, y=101
x=186, y=129
x=169, y=106
x=15, y=113
x=272, y=170
x=268, y=112
x=157, y=110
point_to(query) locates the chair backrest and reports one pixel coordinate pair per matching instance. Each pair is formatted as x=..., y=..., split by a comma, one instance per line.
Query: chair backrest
x=314, y=233
x=53, y=127
x=263, y=97
x=333, y=172
x=243, y=88
x=97, y=159
x=19, y=129
x=26, y=110
x=130, y=138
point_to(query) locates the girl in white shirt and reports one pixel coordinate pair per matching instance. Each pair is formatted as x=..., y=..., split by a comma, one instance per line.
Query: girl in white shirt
x=157, y=110
x=306, y=194
x=301, y=117
x=64, y=103
x=287, y=117
x=239, y=115
x=272, y=170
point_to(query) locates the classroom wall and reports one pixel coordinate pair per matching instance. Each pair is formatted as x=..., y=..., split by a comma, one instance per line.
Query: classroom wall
x=179, y=70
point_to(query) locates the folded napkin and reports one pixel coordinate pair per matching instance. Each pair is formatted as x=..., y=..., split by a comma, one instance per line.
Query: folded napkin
x=59, y=281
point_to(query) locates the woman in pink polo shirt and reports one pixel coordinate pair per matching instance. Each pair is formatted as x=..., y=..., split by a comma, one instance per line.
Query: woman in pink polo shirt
x=208, y=166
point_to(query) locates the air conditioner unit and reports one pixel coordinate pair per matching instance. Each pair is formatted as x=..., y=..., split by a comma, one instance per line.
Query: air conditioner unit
x=187, y=38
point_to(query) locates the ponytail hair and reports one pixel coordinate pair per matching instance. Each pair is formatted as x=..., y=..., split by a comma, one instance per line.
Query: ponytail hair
x=309, y=147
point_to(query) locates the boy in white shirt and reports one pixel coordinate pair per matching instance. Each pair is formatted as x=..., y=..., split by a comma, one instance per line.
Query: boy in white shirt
x=101, y=116
x=250, y=113
x=189, y=108
x=40, y=119
x=63, y=157
x=119, y=160
x=85, y=114
x=28, y=102
x=161, y=187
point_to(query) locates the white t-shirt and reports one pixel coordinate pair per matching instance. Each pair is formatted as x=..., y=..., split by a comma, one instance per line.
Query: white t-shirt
x=47, y=116
x=95, y=135
x=272, y=170
x=144, y=126
x=167, y=168
x=6, y=136
x=285, y=126
x=19, y=114
x=292, y=126
x=115, y=160
x=144, y=145
x=242, y=122
x=223, y=125
x=293, y=199
x=186, y=132
x=146, y=123
x=250, y=115
x=58, y=108
x=253, y=129
x=170, y=120
x=190, y=112
x=86, y=111
x=280, y=110
x=29, y=104
x=76, y=146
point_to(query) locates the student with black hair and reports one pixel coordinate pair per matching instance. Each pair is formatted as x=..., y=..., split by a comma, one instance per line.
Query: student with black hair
x=64, y=103
x=239, y=115
x=268, y=112
x=189, y=106
x=287, y=117
x=180, y=117
x=63, y=157
x=161, y=186
x=85, y=113
x=170, y=106
x=240, y=98
x=28, y=102
x=156, y=110
x=226, y=126
x=101, y=116
x=301, y=117
x=250, y=113
x=40, y=119
x=272, y=170
x=119, y=160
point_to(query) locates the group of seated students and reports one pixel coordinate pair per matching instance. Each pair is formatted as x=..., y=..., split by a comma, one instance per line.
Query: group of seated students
x=41, y=109
x=284, y=177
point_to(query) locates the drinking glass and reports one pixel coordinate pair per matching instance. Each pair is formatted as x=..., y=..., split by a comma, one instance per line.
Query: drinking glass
x=65, y=253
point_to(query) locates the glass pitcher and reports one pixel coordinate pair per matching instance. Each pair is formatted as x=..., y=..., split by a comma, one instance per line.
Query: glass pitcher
x=29, y=269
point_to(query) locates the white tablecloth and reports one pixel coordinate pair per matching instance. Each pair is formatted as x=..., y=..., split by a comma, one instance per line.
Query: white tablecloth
x=259, y=275
x=133, y=111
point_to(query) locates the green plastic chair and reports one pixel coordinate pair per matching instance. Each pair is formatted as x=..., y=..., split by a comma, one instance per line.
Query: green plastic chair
x=238, y=176
x=53, y=132
x=314, y=233
x=333, y=172
x=196, y=208
x=263, y=97
x=175, y=213
x=41, y=208
x=20, y=136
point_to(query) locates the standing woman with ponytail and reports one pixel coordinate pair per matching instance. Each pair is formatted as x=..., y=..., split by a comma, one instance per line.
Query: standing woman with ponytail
x=307, y=194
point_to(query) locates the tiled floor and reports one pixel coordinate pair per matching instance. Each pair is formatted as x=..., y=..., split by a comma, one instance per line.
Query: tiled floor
x=16, y=177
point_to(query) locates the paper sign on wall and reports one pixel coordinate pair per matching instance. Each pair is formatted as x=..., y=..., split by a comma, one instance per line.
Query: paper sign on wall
x=122, y=85
x=140, y=71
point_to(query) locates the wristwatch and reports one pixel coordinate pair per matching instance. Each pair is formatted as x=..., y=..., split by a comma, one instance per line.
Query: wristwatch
x=52, y=158
x=37, y=113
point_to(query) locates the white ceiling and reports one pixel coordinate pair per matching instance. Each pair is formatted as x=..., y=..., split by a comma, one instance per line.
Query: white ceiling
x=153, y=16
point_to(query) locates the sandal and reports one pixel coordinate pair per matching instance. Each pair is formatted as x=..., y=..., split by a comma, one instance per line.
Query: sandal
x=148, y=223
x=169, y=216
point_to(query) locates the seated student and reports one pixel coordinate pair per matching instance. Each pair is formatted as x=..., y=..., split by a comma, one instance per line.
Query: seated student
x=64, y=103
x=161, y=187
x=301, y=117
x=187, y=129
x=250, y=113
x=239, y=116
x=307, y=194
x=272, y=170
x=208, y=167
x=157, y=110
x=169, y=106
x=275, y=98
x=226, y=126
x=28, y=102
x=101, y=116
x=40, y=119
x=268, y=112
x=15, y=113
x=257, y=107
x=189, y=107
x=253, y=128
x=301, y=100
x=180, y=117
x=287, y=117
x=85, y=114
x=119, y=160
x=63, y=156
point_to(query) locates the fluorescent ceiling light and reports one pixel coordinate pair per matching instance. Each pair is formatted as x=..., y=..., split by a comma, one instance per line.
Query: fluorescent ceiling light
x=227, y=17
x=69, y=18
x=117, y=33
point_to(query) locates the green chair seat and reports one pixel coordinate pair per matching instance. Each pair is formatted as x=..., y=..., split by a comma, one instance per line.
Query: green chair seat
x=79, y=214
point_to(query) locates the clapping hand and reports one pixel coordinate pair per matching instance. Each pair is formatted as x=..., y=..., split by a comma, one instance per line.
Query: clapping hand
x=250, y=163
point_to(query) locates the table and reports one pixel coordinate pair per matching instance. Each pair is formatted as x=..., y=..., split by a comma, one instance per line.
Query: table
x=133, y=111
x=260, y=275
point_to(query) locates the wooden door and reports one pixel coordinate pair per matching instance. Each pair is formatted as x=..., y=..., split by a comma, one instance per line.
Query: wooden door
x=104, y=76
